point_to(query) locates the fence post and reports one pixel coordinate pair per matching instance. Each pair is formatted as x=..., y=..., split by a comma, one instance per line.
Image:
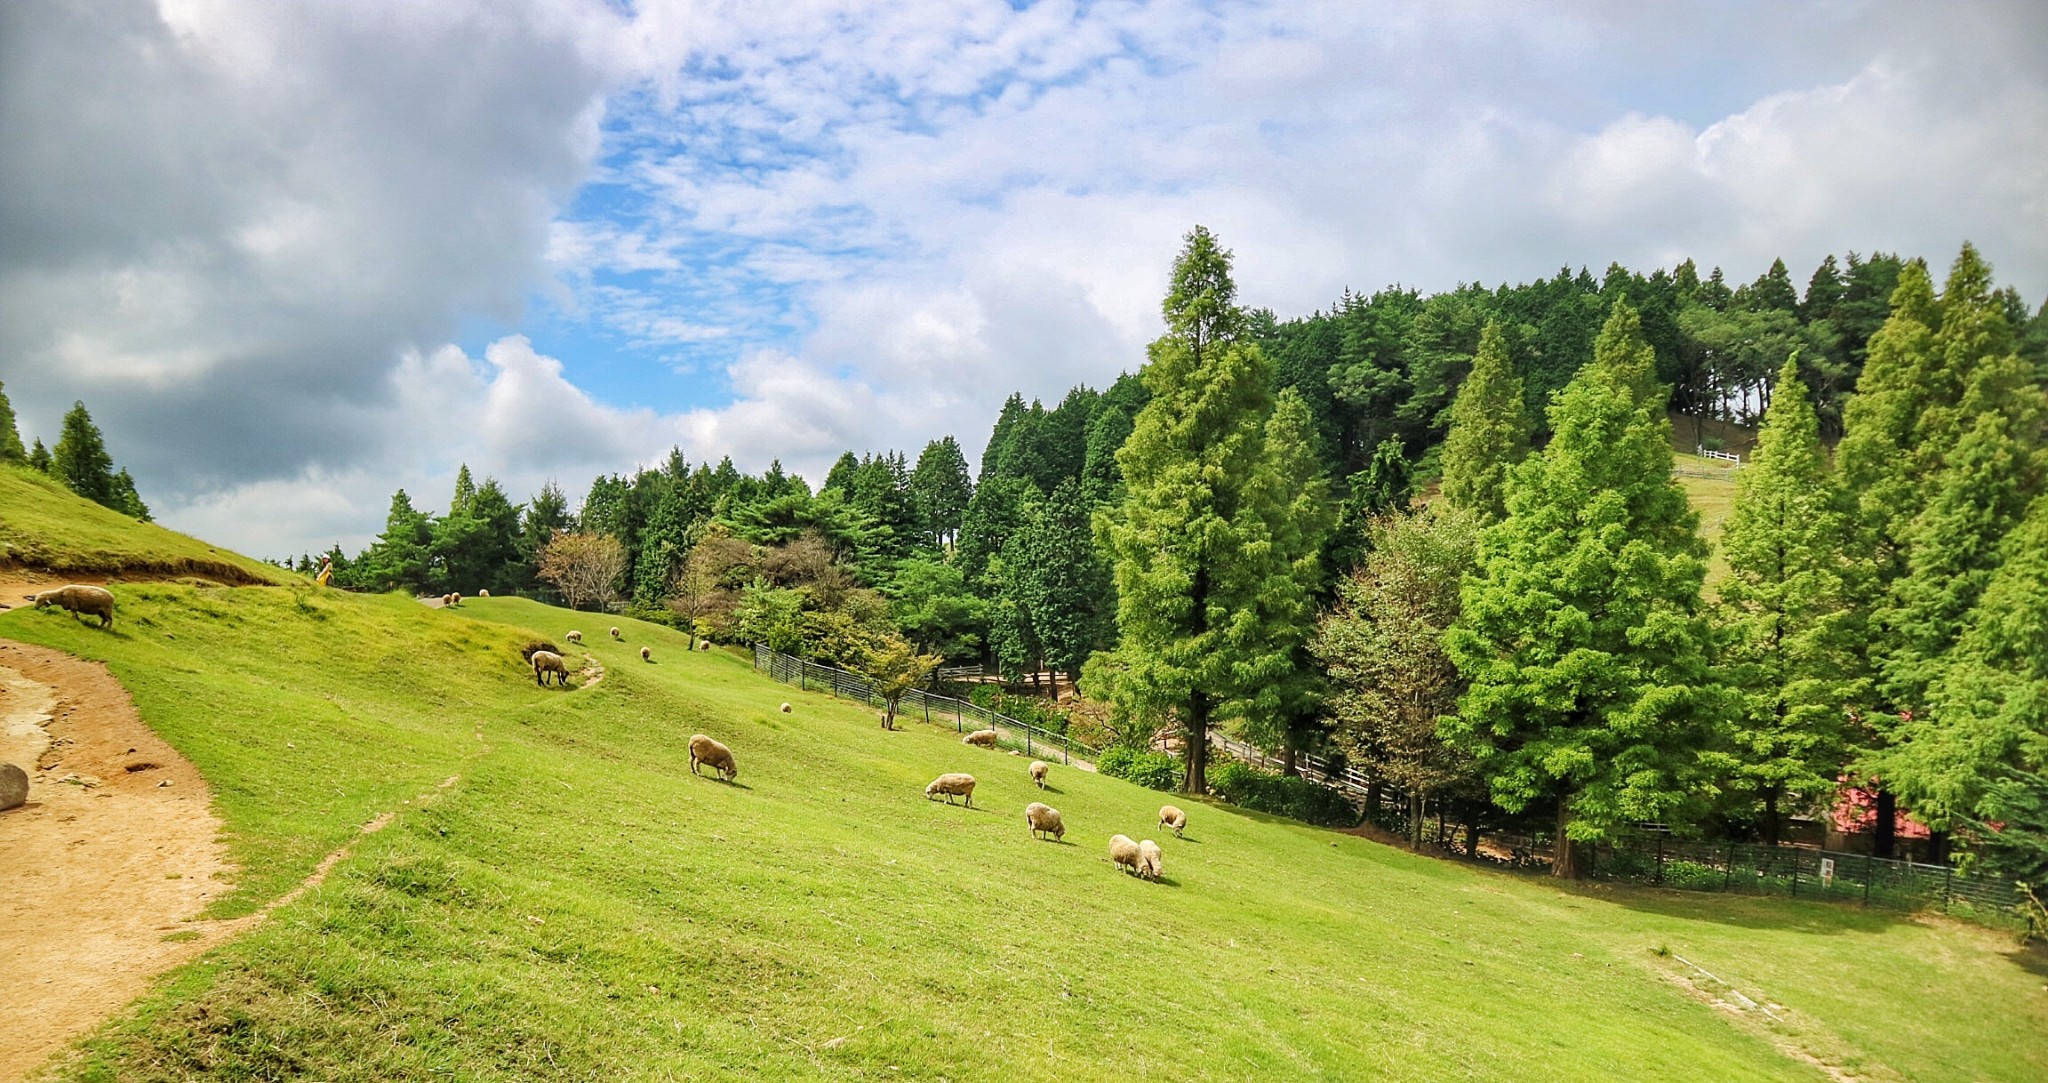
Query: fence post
x=1868, y=872
x=1660, y=859
x=1948, y=879
x=1728, y=876
x=1795, y=874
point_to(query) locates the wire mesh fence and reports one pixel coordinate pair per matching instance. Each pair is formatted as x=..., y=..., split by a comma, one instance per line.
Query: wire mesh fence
x=917, y=703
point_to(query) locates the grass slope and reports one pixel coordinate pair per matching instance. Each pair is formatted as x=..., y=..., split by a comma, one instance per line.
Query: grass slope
x=579, y=906
x=45, y=526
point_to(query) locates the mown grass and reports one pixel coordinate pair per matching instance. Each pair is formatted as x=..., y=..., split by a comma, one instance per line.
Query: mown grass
x=42, y=525
x=578, y=906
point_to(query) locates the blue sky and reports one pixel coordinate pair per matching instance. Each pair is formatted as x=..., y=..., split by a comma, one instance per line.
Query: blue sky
x=295, y=257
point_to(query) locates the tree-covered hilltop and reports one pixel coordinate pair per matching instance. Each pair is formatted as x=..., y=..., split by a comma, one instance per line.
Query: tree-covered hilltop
x=1196, y=545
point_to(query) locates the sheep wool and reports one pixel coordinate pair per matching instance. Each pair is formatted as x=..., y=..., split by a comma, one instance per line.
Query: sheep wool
x=615, y=631
x=951, y=785
x=1044, y=821
x=548, y=662
x=1124, y=852
x=711, y=754
x=455, y=599
x=483, y=594
x=1038, y=770
x=1172, y=817
x=646, y=654
x=76, y=598
x=785, y=708
x=1149, y=862
x=574, y=637
x=980, y=738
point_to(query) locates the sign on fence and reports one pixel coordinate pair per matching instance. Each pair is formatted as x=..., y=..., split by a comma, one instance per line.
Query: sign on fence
x=1827, y=872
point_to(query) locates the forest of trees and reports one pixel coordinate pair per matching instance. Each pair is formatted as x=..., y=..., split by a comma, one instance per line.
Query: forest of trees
x=1434, y=536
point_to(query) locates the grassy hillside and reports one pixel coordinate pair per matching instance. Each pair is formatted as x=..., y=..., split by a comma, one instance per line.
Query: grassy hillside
x=45, y=526
x=578, y=906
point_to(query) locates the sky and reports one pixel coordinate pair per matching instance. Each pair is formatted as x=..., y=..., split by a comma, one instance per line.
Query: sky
x=294, y=257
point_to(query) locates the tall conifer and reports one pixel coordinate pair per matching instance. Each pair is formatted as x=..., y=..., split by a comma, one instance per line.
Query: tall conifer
x=1489, y=431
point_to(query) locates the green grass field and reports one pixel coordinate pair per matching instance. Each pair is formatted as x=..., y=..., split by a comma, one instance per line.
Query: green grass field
x=43, y=525
x=578, y=906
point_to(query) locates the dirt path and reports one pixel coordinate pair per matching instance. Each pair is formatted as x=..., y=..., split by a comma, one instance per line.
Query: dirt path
x=116, y=849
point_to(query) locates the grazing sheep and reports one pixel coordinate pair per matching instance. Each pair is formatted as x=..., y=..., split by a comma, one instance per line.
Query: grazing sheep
x=1038, y=769
x=1124, y=852
x=704, y=646
x=483, y=594
x=1172, y=817
x=785, y=708
x=546, y=662
x=952, y=784
x=615, y=631
x=574, y=637
x=1149, y=860
x=444, y=599
x=983, y=738
x=646, y=654
x=711, y=754
x=455, y=598
x=79, y=598
x=1044, y=821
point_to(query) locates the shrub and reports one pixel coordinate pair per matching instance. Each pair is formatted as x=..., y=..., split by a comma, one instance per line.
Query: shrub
x=1282, y=795
x=1153, y=770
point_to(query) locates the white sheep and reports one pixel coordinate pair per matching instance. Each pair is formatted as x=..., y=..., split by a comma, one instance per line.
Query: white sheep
x=1149, y=862
x=447, y=599
x=77, y=598
x=646, y=654
x=1124, y=852
x=546, y=662
x=704, y=646
x=615, y=631
x=981, y=738
x=711, y=754
x=574, y=637
x=1172, y=817
x=455, y=599
x=1044, y=820
x=1038, y=769
x=952, y=784
x=483, y=594
x=785, y=708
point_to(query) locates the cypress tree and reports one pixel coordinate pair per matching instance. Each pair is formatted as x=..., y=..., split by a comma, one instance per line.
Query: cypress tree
x=1489, y=431
x=1787, y=613
x=1581, y=634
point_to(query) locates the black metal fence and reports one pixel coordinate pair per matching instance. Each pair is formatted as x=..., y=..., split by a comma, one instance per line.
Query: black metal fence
x=918, y=703
x=1802, y=873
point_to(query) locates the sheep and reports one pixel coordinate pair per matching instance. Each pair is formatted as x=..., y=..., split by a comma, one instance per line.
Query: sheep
x=704, y=646
x=952, y=784
x=1038, y=769
x=574, y=637
x=711, y=754
x=79, y=598
x=455, y=598
x=483, y=594
x=1124, y=852
x=1172, y=817
x=447, y=600
x=983, y=738
x=1044, y=820
x=546, y=662
x=615, y=632
x=1149, y=860
x=785, y=708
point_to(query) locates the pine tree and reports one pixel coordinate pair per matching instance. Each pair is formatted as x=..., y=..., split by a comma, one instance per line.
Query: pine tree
x=126, y=499
x=400, y=558
x=39, y=458
x=1057, y=590
x=1787, y=612
x=11, y=449
x=80, y=459
x=1208, y=603
x=465, y=492
x=939, y=488
x=1581, y=635
x=1489, y=432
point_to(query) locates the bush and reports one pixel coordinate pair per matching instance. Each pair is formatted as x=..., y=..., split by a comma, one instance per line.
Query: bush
x=1153, y=770
x=1282, y=795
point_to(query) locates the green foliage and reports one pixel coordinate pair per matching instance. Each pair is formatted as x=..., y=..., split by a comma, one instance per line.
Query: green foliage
x=1057, y=600
x=81, y=462
x=1581, y=635
x=39, y=458
x=1489, y=432
x=401, y=557
x=938, y=490
x=930, y=603
x=11, y=449
x=1152, y=770
x=1282, y=795
x=1788, y=613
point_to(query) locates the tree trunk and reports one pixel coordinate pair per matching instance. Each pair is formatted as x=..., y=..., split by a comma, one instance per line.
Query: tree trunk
x=1197, y=750
x=1414, y=820
x=1885, y=840
x=1564, y=861
x=1288, y=754
x=1472, y=830
x=1770, y=825
x=1937, y=847
x=1372, y=797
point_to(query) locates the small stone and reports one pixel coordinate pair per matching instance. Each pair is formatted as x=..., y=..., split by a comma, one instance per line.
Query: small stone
x=13, y=786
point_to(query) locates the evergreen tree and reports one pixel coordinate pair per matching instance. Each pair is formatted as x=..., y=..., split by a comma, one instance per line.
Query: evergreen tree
x=1581, y=635
x=1207, y=598
x=840, y=477
x=479, y=546
x=11, y=449
x=1109, y=426
x=939, y=489
x=39, y=457
x=126, y=499
x=465, y=492
x=1489, y=432
x=1787, y=612
x=1057, y=587
x=80, y=459
x=995, y=512
x=400, y=558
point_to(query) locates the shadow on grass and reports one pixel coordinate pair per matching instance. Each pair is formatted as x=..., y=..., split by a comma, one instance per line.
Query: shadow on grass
x=1729, y=908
